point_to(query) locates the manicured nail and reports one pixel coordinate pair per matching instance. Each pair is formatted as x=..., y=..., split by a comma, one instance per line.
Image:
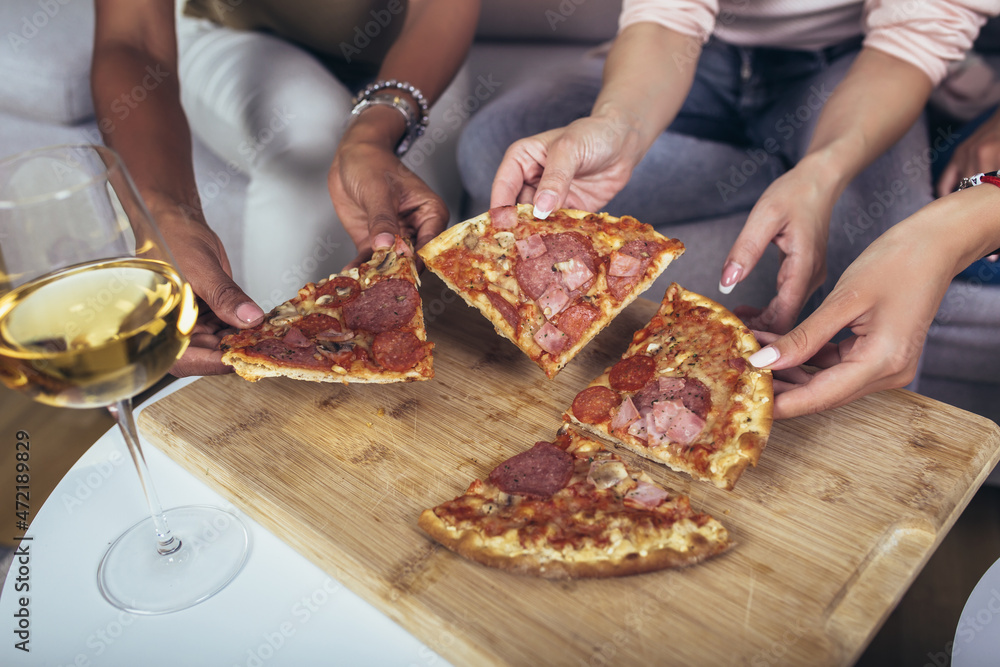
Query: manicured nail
x=730, y=276
x=545, y=201
x=249, y=312
x=383, y=241
x=764, y=357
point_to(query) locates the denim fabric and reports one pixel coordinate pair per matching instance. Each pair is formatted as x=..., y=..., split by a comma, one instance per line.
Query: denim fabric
x=748, y=118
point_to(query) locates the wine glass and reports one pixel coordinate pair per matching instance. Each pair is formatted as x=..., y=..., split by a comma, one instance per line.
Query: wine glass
x=94, y=311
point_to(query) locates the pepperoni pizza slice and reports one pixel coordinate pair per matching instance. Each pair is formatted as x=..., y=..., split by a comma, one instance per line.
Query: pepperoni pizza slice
x=570, y=508
x=683, y=393
x=365, y=325
x=549, y=285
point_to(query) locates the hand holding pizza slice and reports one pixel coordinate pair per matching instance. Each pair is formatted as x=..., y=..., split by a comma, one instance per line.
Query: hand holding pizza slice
x=683, y=393
x=364, y=325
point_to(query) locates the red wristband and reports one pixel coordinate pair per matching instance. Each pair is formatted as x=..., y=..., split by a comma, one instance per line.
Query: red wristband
x=993, y=179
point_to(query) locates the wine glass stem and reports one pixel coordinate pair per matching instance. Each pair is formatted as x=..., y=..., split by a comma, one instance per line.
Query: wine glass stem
x=166, y=543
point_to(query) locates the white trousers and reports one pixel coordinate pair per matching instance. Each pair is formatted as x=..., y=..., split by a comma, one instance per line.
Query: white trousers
x=275, y=113
x=269, y=108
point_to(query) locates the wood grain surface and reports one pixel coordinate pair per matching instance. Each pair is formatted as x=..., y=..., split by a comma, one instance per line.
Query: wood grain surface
x=831, y=528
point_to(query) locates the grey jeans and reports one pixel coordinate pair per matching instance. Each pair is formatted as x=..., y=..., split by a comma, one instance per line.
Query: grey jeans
x=748, y=118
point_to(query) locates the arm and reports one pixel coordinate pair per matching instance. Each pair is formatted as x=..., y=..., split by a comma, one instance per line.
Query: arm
x=876, y=103
x=585, y=164
x=135, y=45
x=888, y=297
x=375, y=195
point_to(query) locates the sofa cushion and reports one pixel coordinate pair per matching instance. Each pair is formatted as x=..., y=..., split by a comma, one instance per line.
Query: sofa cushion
x=549, y=20
x=45, y=59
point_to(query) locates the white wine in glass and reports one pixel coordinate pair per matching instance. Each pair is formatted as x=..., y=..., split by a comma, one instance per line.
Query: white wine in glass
x=92, y=312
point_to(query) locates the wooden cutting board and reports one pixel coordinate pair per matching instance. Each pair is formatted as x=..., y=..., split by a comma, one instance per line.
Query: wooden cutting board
x=831, y=528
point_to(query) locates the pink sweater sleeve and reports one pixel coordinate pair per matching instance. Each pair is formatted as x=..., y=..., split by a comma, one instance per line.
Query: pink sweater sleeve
x=927, y=34
x=688, y=17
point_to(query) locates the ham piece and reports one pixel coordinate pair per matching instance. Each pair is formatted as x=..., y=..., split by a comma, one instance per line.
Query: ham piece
x=533, y=246
x=551, y=339
x=646, y=495
x=574, y=273
x=504, y=217
x=624, y=266
x=669, y=385
x=553, y=301
x=401, y=248
x=672, y=422
x=638, y=429
x=663, y=423
x=625, y=416
x=685, y=427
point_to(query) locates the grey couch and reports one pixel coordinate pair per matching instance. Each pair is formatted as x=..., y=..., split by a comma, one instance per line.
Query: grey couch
x=45, y=99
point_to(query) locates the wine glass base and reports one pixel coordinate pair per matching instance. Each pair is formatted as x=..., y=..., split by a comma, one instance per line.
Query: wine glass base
x=215, y=545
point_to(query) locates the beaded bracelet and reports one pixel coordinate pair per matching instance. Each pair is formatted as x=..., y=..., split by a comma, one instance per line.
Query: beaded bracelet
x=415, y=126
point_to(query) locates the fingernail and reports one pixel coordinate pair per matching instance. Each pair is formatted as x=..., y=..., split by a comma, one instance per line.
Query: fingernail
x=383, y=241
x=764, y=357
x=249, y=312
x=730, y=276
x=544, y=203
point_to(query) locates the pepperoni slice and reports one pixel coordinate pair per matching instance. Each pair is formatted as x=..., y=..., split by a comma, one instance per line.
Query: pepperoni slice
x=632, y=373
x=692, y=392
x=398, y=350
x=341, y=289
x=386, y=305
x=506, y=308
x=303, y=357
x=696, y=397
x=316, y=323
x=593, y=405
x=538, y=472
x=575, y=320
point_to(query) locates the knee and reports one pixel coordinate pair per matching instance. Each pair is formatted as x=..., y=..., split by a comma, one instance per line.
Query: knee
x=481, y=147
x=297, y=145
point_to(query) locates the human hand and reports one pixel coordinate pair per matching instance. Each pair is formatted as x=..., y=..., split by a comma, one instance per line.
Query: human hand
x=222, y=304
x=583, y=165
x=377, y=198
x=794, y=214
x=979, y=153
x=888, y=298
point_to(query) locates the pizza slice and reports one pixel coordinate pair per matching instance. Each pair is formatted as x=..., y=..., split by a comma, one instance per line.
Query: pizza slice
x=364, y=325
x=570, y=508
x=549, y=285
x=683, y=393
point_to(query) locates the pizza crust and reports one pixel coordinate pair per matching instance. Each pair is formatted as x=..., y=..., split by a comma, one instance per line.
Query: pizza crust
x=471, y=544
x=256, y=368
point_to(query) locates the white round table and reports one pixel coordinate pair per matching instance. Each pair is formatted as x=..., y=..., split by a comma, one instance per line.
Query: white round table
x=977, y=638
x=280, y=610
